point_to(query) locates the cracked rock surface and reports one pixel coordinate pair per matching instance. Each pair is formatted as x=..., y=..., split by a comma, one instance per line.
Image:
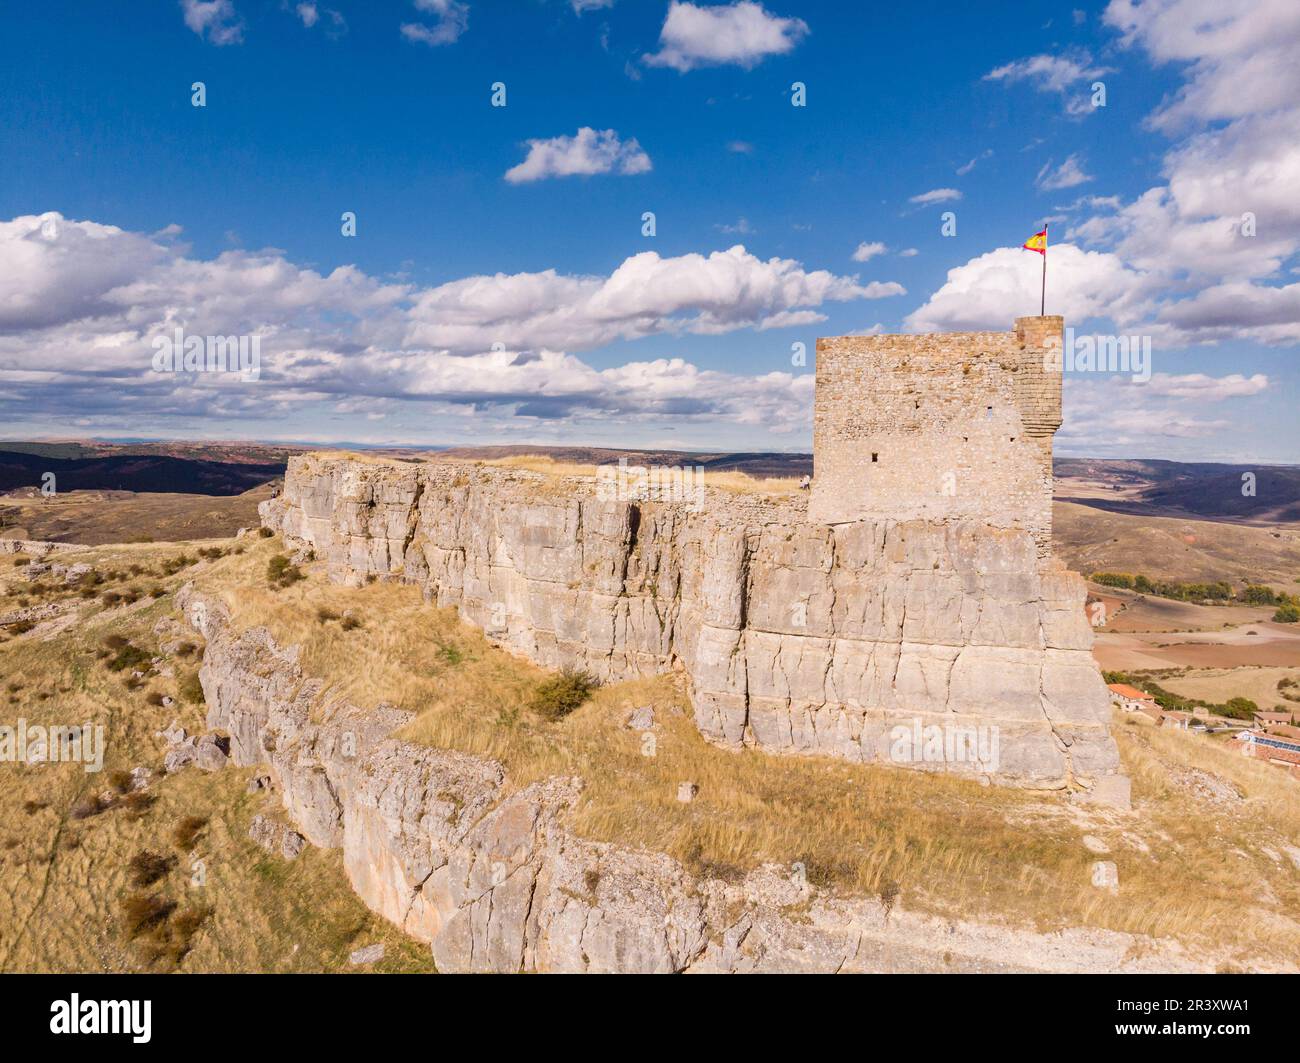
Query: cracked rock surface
x=796, y=637
x=491, y=876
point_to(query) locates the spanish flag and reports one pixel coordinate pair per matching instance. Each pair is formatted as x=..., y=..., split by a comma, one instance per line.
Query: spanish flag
x=1037, y=242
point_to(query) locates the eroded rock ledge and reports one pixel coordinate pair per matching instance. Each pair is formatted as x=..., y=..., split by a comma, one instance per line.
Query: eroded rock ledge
x=438, y=843
x=795, y=636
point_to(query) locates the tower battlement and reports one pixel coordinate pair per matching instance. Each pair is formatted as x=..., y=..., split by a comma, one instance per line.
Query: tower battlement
x=942, y=426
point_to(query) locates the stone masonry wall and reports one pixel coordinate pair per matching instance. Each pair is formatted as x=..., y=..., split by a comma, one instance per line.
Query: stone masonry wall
x=795, y=636
x=950, y=426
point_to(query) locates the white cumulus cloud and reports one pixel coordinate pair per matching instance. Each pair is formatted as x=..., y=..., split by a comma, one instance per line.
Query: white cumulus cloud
x=216, y=20
x=585, y=153
x=991, y=291
x=451, y=20
x=743, y=33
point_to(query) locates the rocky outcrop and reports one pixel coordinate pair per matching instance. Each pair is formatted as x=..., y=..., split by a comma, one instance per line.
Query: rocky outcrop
x=943, y=646
x=493, y=879
x=35, y=547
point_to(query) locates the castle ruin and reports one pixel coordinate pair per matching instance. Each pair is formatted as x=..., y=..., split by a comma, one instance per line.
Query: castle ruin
x=912, y=594
x=946, y=426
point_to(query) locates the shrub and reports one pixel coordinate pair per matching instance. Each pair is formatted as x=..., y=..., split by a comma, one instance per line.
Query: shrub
x=144, y=912
x=281, y=572
x=1287, y=614
x=20, y=561
x=326, y=615
x=187, y=832
x=146, y=868
x=127, y=656
x=85, y=807
x=154, y=698
x=562, y=694
x=21, y=627
x=137, y=803
x=1239, y=709
x=350, y=623
x=264, y=533
x=190, y=689
x=184, y=927
x=120, y=781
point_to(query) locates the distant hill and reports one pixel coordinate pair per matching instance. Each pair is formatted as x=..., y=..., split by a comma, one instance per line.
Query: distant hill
x=759, y=464
x=1138, y=487
x=140, y=473
x=1174, y=488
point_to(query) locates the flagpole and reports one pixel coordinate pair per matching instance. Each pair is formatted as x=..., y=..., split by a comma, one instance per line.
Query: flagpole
x=1042, y=306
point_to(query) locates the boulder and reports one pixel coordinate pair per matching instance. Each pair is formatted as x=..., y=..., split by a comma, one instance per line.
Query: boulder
x=276, y=837
x=369, y=954
x=181, y=755
x=642, y=719
x=212, y=752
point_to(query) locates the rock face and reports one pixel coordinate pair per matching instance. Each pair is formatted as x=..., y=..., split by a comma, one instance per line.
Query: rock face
x=491, y=877
x=942, y=646
x=34, y=547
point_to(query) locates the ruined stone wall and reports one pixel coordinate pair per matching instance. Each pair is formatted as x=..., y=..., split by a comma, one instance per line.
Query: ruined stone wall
x=795, y=636
x=950, y=426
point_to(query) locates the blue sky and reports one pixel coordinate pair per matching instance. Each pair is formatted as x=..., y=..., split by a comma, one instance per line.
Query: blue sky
x=125, y=212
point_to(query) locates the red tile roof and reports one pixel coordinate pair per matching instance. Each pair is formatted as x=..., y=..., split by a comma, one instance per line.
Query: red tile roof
x=1126, y=691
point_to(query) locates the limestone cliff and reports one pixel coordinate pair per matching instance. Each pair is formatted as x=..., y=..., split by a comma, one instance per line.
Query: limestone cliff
x=439, y=843
x=798, y=637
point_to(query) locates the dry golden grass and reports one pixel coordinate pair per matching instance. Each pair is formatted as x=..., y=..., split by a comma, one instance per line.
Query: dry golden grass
x=730, y=480
x=100, y=517
x=403, y=652
x=541, y=463
x=1202, y=872
x=64, y=882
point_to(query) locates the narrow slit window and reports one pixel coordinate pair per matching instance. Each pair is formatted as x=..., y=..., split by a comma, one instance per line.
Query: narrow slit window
x=988, y=413
x=874, y=456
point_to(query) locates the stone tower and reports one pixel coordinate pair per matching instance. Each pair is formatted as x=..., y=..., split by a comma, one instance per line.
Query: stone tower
x=945, y=426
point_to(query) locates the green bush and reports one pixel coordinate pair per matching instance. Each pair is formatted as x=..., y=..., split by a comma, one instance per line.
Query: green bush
x=1287, y=614
x=557, y=697
x=190, y=689
x=281, y=572
x=126, y=656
